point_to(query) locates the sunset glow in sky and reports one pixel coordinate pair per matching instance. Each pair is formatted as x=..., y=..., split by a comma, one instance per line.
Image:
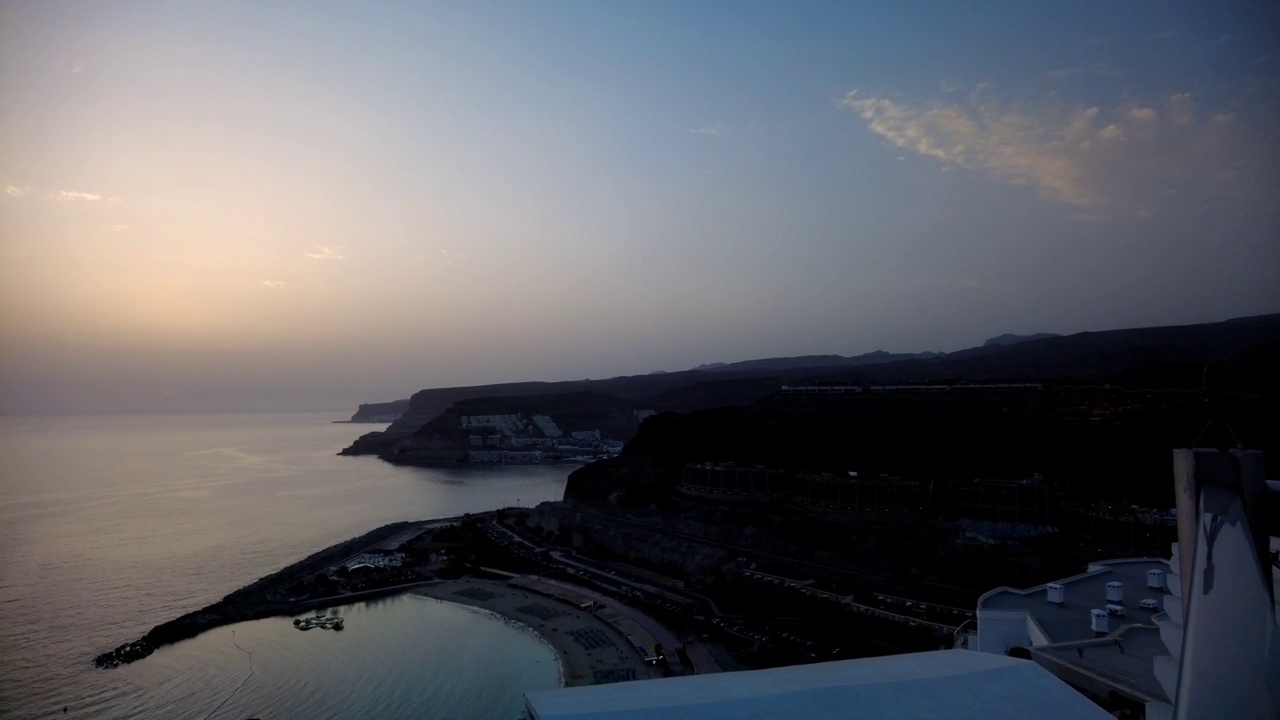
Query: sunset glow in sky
x=246, y=205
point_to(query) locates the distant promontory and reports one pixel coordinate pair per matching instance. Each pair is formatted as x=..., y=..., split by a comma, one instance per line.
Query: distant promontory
x=383, y=412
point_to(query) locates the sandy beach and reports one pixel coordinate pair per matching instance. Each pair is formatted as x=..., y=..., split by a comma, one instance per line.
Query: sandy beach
x=591, y=651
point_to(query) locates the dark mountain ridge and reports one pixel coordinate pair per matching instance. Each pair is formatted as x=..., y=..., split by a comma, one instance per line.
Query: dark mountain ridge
x=1104, y=438
x=802, y=362
x=1177, y=352
x=1011, y=339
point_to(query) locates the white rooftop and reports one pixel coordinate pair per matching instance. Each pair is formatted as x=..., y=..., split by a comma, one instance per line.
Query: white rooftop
x=1069, y=620
x=956, y=684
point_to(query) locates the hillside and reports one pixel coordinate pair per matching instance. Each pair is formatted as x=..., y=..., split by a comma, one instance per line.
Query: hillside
x=1172, y=356
x=1011, y=339
x=803, y=362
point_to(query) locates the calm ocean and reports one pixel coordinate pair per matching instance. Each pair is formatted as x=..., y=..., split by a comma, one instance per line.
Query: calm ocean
x=111, y=525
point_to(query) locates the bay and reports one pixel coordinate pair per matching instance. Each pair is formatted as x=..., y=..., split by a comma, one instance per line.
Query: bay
x=111, y=525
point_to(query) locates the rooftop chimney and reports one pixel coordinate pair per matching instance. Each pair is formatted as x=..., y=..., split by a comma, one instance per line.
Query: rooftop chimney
x=1155, y=579
x=1098, y=621
x=1115, y=592
x=1055, y=593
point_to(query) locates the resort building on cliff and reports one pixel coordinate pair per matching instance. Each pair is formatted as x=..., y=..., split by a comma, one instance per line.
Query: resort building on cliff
x=547, y=426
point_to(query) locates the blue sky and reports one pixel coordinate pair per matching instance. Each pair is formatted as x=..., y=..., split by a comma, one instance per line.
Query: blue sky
x=287, y=205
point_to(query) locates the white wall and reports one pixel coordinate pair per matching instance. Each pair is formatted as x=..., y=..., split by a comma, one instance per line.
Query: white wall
x=999, y=630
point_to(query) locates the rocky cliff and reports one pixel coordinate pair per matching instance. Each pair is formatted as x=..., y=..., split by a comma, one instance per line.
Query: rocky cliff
x=442, y=441
x=380, y=412
x=605, y=405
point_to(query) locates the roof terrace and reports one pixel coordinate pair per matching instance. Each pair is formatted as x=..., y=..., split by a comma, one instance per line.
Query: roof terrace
x=1069, y=620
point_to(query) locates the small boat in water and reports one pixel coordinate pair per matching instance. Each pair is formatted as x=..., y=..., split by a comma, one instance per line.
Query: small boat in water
x=319, y=620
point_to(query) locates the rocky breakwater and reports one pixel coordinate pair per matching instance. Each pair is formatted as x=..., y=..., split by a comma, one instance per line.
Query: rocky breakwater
x=281, y=593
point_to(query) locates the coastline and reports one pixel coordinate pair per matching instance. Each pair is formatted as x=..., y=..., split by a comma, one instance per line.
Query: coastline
x=590, y=647
x=511, y=622
x=262, y=598
x=589, y=650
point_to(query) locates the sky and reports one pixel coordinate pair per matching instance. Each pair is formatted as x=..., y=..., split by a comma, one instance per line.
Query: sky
x=278, y=206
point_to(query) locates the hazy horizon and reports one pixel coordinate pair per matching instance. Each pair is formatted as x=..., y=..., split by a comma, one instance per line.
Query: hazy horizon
x=307, y=206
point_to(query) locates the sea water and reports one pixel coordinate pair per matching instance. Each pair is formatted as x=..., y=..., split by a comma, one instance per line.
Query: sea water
x=111, y=525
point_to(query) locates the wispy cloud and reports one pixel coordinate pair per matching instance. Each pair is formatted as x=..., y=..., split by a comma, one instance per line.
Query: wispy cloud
x=119, y=228
x=327, y=252
x=715, y=129
x=970, y=283
x=75, y=196
x=1078, y=70
x=722, y=129
x=452, y=258
x=1130, y=159
x=18, y=191
x=273, y=284
x=77, y=68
